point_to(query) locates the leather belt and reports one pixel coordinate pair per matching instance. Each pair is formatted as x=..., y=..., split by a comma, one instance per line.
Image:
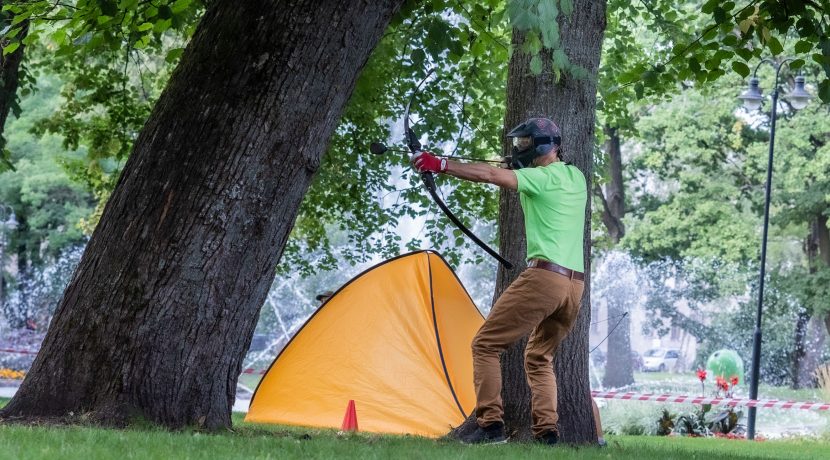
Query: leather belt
x=556, y=268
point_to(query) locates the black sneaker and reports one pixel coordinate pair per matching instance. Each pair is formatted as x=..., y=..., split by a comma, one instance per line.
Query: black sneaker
x=550, y=438
x=491, y=434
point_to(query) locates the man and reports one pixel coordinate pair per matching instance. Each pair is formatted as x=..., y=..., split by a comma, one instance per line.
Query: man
x=544, y=300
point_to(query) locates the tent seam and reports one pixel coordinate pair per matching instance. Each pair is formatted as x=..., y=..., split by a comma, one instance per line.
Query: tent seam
x=438, y=340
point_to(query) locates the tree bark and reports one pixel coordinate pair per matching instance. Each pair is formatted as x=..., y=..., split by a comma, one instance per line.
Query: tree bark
x=800, y=351
x=613, y=199
x=9, y=74
x=809, y=334
x=571, y=103
x=162, y=307
x=823, y=242
x=618, y=369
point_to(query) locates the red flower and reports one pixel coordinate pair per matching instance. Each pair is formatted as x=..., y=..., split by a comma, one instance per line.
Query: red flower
x=721, y=383
x=733, y=380
x=701, y=374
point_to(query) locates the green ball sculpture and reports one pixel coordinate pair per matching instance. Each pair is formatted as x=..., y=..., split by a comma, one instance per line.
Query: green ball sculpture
x=727, y=364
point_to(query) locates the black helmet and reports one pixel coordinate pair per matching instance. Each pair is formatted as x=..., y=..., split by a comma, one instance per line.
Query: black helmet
x=532, y=139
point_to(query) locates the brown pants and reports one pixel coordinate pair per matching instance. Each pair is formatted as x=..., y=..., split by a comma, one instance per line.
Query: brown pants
x=539, y=302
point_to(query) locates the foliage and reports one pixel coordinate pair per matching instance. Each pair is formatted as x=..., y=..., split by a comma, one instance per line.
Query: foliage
x=701, y=423
x=459, y=110
x=114, y=58
x=46, y=203
x=734, y=327
x=100, y=26
x=735, y=38
x=696, y=184
x=539, y=20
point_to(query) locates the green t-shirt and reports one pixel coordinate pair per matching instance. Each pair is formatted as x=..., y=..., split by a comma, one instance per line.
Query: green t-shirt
x=553, y=199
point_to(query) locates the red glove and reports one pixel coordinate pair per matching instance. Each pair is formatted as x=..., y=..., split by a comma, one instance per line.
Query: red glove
x=427, y=162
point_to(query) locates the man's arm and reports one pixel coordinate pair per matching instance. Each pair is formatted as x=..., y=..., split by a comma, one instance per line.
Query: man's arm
x=479, y=172
x=476, y=172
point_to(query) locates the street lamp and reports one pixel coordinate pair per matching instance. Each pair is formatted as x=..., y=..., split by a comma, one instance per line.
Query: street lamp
x=752, y=100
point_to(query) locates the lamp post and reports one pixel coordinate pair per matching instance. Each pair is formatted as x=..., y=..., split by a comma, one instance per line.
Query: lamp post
x=752, y=100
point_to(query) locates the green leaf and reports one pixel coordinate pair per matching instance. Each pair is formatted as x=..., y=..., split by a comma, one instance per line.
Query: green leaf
x=145, y=26
x=805, y=27
x=12, y=33
x=10, y=48
x=638, y=90
x=21, y=17
x=180, y=5
x=163, y=25
x=550, y=35
x=775, y=46
x=797, y=64
x=532, y=44
x=649, y=77
x=173, y=54
x=709, y=6
x=803, y=46
x=108, y=8
x=59, y=37
x=628, y=77
x=730, y=40
x=720, y=15
x=165, y=12
x=740, y=68
x=711, y=34
x=744, y=53
x=536, y=65
x=560, y=59
x=418, y=56
x=824, y=90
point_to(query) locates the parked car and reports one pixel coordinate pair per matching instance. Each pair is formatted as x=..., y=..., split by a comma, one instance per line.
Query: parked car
x=660, y=359
x=636, y=361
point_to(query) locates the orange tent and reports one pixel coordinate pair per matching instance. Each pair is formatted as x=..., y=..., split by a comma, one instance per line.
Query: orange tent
x=395, y=339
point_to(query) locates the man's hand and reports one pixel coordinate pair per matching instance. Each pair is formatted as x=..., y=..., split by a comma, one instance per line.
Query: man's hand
x=427, y=162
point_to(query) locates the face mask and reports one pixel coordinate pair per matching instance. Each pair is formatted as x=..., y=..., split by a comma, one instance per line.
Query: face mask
x=521, y=144
x=525, y=150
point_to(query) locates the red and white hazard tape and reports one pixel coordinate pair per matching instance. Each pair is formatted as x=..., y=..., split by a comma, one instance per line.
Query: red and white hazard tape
x=254, y=371
x=21, y=352
x=764, y=403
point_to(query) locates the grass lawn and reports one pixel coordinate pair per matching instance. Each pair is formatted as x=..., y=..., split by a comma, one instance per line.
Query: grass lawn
x=251, y=441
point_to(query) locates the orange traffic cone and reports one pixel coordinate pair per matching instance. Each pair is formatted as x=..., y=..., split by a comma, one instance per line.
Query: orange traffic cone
x=350, y=419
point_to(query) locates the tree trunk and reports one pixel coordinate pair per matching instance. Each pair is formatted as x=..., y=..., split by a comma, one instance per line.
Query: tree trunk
x=800, y=351
x=823, y=243
x=613, y=200
x=9, y=74
x=809, y=334
x=618, y=370
x=816, y=337
x=162, y=307
x=571, y=104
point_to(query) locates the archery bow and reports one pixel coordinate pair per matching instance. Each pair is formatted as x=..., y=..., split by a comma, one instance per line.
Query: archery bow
x=429, y=180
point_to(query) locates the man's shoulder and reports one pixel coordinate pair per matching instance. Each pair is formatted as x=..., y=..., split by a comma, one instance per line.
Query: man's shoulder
x=565, y=171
